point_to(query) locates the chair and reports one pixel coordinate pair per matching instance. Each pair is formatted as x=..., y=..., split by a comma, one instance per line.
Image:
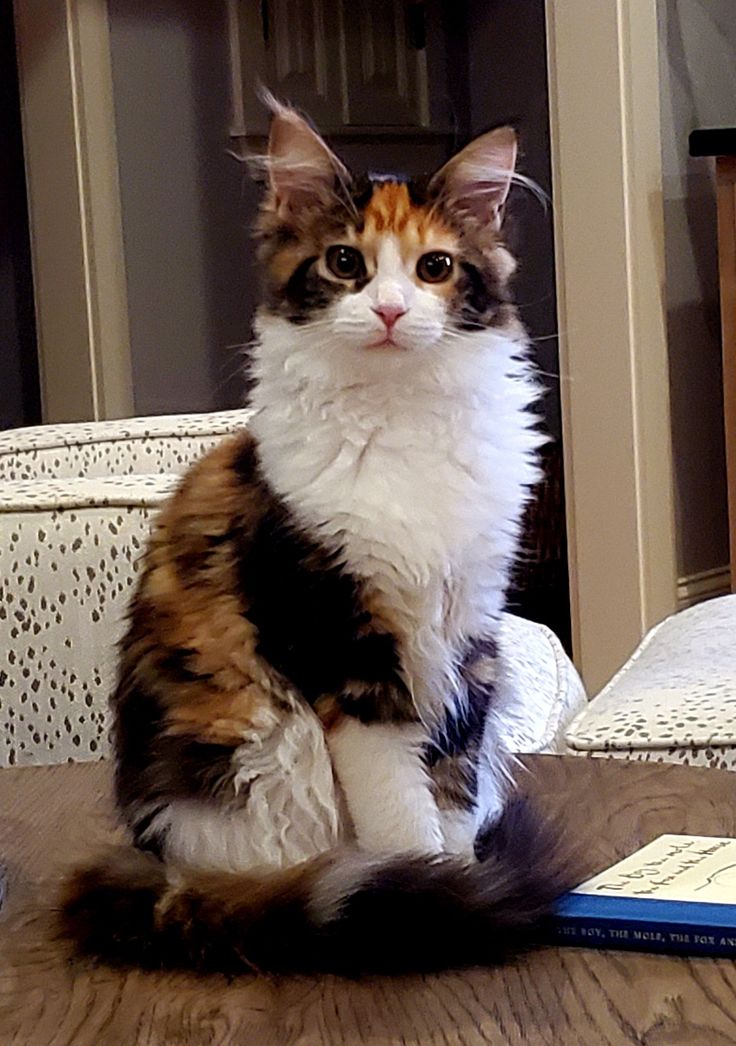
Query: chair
x=76, y=504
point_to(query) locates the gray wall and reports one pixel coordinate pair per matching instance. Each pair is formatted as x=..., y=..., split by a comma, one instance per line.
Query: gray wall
x=698, y=89
x=185, y=204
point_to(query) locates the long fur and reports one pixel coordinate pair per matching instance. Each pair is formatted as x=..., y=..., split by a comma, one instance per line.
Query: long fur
x=303, y=734
x=402, y=482
x=346, y=912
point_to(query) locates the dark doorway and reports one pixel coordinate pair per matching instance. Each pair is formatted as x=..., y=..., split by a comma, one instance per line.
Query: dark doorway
x=20, y=399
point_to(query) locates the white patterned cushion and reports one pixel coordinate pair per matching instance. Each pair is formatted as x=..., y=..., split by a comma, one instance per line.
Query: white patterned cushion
x=149, y=446
x=69, y=550
x=675, y=699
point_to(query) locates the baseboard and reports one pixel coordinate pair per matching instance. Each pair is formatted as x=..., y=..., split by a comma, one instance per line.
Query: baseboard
x=704, y=585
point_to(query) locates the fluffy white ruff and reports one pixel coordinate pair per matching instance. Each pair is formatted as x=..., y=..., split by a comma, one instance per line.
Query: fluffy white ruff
x=416, y=463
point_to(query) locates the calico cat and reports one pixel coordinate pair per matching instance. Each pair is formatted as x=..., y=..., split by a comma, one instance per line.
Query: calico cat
x=304, y=721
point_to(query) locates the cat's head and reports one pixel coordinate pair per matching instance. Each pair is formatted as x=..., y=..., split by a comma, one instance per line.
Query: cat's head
x=383, y=265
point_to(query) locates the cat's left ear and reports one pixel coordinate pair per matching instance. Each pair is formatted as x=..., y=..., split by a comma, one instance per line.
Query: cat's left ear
x=478, y=178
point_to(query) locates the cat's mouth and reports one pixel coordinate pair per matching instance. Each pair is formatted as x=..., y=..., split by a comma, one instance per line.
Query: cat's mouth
x=386, y=342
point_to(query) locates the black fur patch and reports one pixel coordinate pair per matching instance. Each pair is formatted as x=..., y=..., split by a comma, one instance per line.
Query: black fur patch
x=307, y=293
x=246, y=464
x=379, y=701
x=146, y=840
x=361, y=193
x=479, y=298
x=311, y=623
x=153, y=766
x=462, y=728
x=176, y=666
x=452, y=754
x=419, y=193
x=312, y=626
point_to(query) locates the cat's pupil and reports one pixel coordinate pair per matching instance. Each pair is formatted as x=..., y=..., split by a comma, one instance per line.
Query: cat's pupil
x=345, y=262
x=434, y=267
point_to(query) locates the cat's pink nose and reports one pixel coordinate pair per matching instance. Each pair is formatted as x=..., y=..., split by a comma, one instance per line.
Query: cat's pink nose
x=389, y=313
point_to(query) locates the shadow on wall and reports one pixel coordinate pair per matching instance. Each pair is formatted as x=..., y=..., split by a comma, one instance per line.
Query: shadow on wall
x=186, y=204
x=698, y=89
x=20, y=400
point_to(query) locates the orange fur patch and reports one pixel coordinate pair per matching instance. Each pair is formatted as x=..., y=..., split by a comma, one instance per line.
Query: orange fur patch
x=191, y=584
x=417, y=228
x=390, y=210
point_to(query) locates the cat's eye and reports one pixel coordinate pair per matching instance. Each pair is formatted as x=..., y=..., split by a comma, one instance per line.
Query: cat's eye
x=345, y=262
x=435, y=267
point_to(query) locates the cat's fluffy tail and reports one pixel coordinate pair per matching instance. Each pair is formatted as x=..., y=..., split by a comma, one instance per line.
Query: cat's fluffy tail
x=345, y=912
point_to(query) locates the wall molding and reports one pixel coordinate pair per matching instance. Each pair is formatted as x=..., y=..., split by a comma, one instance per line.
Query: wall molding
x=609, y=241
x=70, y=148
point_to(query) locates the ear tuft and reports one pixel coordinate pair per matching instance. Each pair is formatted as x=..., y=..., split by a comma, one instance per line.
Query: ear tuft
x=302, y=169
x=478, y=178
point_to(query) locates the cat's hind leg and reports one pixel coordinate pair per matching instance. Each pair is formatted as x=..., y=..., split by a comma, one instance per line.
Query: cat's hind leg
x=274, y=803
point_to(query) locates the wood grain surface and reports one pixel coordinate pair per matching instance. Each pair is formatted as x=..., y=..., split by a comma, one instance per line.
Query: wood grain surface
x=50, y=817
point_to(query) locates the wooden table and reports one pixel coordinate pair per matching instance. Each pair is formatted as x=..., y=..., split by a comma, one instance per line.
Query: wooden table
x=720, y=142
x=51, y=816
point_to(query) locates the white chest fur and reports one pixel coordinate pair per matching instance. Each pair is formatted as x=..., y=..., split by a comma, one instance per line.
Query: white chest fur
x=416, y=468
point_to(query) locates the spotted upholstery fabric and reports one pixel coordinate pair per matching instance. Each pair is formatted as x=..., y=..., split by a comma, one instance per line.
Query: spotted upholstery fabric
x=675, y=699
x=68, y=557
x=539, y=689
x=76, y=506
x=147, y=446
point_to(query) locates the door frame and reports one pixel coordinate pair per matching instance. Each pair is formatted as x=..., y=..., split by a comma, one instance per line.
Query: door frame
x=606, y=161
x=609, y=232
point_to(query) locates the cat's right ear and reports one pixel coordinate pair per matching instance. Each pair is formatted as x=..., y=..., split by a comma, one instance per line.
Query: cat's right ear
x=302, y=169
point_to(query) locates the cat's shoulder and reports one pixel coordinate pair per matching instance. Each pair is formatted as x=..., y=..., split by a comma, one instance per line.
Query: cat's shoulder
x=225, y=482
x=234, y=457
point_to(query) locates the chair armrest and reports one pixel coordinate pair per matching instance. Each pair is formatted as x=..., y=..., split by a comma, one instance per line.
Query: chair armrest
x=145, y=446
x=538, y=688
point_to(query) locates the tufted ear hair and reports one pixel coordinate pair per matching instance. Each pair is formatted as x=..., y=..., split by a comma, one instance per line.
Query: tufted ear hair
x=478, y=178
x=302, y=169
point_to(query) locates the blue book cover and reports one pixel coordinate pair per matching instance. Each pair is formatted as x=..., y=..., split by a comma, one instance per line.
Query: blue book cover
x=677, y=894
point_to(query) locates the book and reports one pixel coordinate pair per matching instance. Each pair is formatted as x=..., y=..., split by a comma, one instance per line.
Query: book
x=677, y=895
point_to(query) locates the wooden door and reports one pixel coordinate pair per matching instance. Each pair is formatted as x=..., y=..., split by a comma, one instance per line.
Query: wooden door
x=355, y=66
x=385, y=71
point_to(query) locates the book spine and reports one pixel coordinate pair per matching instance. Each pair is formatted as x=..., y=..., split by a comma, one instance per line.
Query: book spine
x=669, y=938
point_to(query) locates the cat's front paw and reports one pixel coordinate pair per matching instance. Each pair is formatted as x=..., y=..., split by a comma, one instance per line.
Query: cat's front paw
x=459, y=829
x=388, y=793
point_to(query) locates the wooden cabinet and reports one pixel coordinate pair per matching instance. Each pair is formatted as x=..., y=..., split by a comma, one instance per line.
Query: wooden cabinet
x=385, y=63
x=289, y=46
x=358, y=67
